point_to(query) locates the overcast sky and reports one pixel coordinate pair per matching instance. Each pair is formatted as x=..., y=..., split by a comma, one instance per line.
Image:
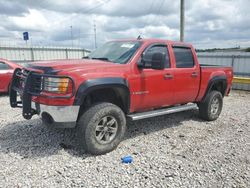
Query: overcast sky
x=209, y=23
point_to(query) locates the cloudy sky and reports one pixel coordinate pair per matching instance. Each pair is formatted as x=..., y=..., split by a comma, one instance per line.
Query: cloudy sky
x=209, y=23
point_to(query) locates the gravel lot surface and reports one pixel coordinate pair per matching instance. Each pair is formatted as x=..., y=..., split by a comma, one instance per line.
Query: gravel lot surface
x=177, y=150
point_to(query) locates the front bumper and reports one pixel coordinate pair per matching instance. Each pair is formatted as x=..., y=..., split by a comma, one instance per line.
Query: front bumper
x=57, y=116
x=28, y=85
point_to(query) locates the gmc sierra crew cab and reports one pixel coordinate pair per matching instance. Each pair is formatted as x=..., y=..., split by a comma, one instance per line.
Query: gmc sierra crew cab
x=123, y=79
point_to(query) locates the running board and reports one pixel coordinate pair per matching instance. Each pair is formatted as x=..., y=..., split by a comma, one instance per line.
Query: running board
x=159, y=112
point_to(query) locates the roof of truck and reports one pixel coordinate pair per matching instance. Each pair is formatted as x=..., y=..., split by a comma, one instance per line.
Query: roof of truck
x=153, y=40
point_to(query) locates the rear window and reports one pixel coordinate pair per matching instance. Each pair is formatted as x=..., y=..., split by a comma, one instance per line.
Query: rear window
x=183, y=57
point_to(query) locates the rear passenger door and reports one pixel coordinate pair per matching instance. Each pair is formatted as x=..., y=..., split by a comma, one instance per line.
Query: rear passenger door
x=186, y=75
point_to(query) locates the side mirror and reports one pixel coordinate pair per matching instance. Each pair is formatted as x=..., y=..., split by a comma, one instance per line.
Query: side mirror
x=141, y=63
x=158, y=61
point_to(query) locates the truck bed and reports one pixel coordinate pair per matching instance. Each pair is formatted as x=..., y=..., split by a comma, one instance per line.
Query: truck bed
x=208, y=72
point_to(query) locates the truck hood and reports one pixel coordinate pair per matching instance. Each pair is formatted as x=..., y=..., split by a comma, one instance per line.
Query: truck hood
x=81, y=66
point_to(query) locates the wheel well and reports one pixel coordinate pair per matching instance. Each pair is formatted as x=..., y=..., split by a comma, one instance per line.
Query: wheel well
x=118, y=96
x=219, y=86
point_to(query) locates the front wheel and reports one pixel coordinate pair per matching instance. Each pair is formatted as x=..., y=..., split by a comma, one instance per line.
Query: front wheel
x=211, y=107
x=101, y=128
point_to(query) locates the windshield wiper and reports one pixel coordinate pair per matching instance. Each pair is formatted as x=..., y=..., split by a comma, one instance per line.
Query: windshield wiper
x=101, y=58
x=85, y=57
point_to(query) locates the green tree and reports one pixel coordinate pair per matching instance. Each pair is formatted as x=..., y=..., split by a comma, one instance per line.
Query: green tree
x=248, y=49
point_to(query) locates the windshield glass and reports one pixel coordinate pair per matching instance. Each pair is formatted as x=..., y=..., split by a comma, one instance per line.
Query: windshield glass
x=116, y=51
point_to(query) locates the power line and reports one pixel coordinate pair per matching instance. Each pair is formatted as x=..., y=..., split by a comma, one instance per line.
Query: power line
x=93, y=8
x=148, y=12
x=158, y=9
x=161, y=5
x=88, y=10
x=150, y=7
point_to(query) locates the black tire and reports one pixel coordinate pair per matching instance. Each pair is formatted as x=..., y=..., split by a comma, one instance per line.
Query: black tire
x=92, y=125
x=8, y=89
x=207, y=108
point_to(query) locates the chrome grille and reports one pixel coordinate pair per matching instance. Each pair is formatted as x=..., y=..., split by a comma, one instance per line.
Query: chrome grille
x=36, y=81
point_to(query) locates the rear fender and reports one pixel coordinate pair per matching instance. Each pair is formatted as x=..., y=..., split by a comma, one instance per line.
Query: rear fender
x=213, y=82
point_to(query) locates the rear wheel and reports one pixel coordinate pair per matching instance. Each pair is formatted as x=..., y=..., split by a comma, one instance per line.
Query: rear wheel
x=101, y=128
x=211, y=107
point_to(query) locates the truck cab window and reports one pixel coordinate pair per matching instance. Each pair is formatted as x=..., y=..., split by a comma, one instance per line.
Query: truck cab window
x=183, y=57
x=147, y=56
x=4, y=66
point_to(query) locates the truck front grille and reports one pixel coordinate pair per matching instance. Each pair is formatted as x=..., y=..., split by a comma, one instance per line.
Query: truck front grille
x=36, y=81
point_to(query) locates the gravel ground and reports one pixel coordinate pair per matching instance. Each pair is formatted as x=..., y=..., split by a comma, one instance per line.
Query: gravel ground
x=177, y=150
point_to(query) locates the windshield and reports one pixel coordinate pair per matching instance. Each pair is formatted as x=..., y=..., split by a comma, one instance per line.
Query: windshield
x=116, y=51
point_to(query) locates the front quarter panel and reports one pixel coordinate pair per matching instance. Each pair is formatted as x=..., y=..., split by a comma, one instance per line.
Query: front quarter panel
x=91, y=85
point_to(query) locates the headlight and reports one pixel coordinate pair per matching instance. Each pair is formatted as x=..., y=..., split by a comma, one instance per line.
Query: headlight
x=56, y=85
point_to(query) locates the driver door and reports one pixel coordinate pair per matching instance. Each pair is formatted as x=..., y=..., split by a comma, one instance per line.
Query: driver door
x=153, y=88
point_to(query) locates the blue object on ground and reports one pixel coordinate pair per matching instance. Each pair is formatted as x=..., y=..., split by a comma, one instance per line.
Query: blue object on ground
x=127, y=159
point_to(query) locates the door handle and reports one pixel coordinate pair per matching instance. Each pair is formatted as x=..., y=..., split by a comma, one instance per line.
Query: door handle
x=168, y=76
x=194, y=74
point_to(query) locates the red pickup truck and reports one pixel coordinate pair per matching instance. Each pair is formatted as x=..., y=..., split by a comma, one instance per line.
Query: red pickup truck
x=123, y=79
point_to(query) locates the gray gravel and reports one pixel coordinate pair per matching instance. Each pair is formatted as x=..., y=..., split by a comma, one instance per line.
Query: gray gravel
x=176, y=150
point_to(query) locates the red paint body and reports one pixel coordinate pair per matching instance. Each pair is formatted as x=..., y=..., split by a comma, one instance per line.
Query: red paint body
x=6, y=75
x=160, y=92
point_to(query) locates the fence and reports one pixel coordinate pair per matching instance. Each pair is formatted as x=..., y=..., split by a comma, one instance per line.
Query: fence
x=29, y=54
x=240, y=62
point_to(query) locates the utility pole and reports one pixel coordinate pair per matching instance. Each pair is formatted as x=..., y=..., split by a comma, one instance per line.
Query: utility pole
x=71, y=32
x=182, y=20
x=95, y=34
